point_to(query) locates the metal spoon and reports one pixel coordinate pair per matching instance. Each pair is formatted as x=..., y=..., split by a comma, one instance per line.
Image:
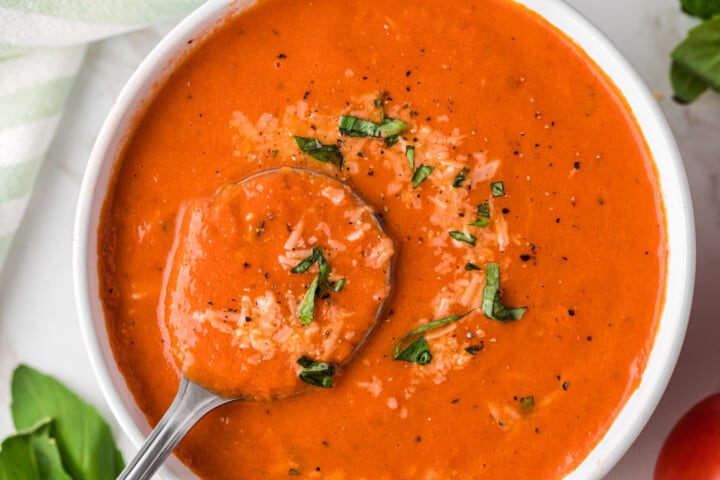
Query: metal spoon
x=193, y=401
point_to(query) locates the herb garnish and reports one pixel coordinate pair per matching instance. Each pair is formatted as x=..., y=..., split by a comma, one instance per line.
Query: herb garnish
x=410, y=154
x=389, y=129
x=392, y=127
x=497, y=189
x=306, y=313
x=492, y=305
x=463, y=237
x=526, y=403
x=483, y=215
x=471, y=266
x=318, y=151
x=318, y=374
x=418, y=351
x=318, y=285
x=421, y=174
x=460, y=177
x=358, y=127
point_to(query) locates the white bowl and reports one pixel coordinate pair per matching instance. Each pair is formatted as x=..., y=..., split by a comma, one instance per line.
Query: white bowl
x=673, y=186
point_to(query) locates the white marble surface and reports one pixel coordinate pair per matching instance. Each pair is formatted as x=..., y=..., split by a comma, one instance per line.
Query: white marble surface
x=37, y=315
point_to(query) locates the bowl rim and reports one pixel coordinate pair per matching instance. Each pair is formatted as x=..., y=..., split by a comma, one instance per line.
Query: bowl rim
x=669, y=170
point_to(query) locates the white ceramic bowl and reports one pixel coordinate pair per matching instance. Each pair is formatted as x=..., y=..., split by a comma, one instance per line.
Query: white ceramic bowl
x=673, y=186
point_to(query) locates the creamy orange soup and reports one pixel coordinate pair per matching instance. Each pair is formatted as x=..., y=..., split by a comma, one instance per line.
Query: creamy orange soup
x=507, y=172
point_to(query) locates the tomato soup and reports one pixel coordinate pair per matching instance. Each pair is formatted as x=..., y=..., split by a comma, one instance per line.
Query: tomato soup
x=519, y=201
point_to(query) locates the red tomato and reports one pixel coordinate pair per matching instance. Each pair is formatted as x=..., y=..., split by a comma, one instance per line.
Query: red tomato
x=692, y=450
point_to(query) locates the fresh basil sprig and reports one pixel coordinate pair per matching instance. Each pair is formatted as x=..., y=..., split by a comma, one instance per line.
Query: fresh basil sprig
x=696, y=60
x=60, y=436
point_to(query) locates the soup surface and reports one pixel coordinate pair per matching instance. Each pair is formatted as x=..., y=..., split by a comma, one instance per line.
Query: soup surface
x=497, y=156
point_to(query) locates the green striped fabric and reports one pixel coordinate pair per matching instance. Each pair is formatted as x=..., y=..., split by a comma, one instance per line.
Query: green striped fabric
x=42, y=45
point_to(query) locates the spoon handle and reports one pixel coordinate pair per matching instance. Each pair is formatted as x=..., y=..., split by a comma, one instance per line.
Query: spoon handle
x=191, y=402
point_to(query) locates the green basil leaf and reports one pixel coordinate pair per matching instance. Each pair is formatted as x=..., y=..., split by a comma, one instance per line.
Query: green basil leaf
x=483, y=210
x=32, y=455
x=701, y=8
x=358, y=127
x=527, y=403
x=463, y=237
x=480, y=222
x=460, y=177
x=492, y=305
x=392, y=126
x=410, y=154
x=699, y=53
x=392, y=140
x=420, y=344
x=497, y=189
x=318, y=374
x=318, y=151
x=337, y=286
x=417, y=352
x=306, y=313
x=686, y=86
x=305, y=264
x=421, y=174
x=83, y=438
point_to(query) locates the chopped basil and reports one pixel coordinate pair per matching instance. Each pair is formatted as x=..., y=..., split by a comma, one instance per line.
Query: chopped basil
x=392, y=126
x=325, y=272
x=418, y=351
x=318, y=151
x=390, y=141
x=294, y=472
x=463, y=237
x=305, y=264
x=410, y=154
x=492, y=305
x=389, y=129
x=318, y=285
x=471, y=266
x=483, y=215
x=480, y=222
x=358, y=127
x=422, y=172
x=319, y=374
x=483, y=210
x=497, y=189
x=306, y=313
x=460, y=177
x=526, y=403
x=337, y=286
x=473, y=349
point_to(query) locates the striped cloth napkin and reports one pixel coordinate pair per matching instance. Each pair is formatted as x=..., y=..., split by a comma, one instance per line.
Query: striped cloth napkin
x=42, y=45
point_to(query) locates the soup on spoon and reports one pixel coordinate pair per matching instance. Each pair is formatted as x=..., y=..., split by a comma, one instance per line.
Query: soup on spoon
x=270, y=286
x=270, y=277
